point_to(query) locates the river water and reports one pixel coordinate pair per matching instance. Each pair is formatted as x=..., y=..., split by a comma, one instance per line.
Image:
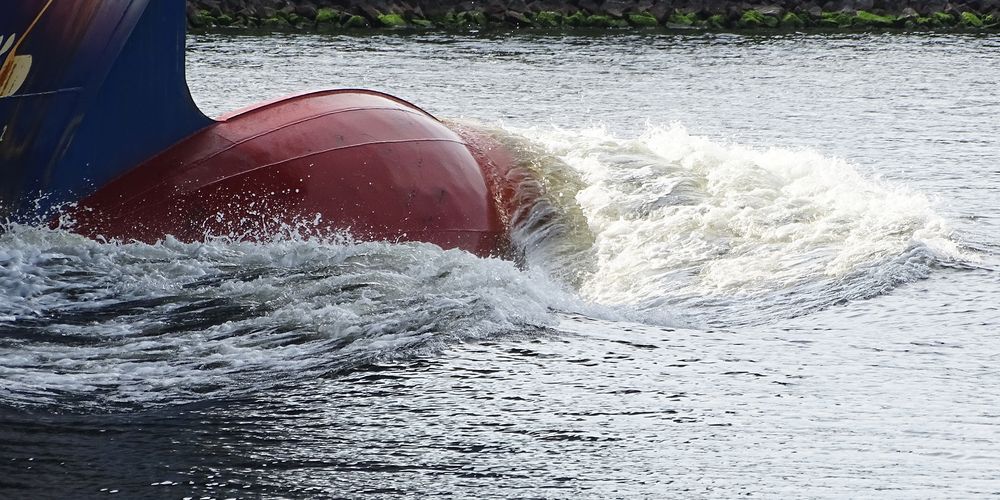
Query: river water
x=764, y=266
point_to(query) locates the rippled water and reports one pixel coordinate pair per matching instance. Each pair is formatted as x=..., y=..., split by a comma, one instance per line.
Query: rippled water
x=763, y=266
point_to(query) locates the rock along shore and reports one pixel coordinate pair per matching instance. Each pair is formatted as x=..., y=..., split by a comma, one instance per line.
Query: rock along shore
x=718, y=15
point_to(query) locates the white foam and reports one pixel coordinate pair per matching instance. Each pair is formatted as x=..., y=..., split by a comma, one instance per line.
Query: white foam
x=257, y=313
x=678, y=216
x=644, y=228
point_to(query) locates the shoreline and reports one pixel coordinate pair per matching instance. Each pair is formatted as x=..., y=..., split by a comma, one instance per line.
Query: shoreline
x=698, y=15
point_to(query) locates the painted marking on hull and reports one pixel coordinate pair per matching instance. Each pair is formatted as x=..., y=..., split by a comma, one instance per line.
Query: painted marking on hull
x=15, y=68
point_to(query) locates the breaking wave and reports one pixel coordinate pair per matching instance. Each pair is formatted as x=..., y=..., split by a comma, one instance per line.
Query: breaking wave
x=112, y=324
x=722, y=234
x=664, y=228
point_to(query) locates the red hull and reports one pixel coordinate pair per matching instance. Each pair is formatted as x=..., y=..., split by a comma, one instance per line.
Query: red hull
x=353, y=160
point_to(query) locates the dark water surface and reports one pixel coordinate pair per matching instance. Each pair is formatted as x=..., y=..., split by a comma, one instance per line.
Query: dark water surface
x=765, y=267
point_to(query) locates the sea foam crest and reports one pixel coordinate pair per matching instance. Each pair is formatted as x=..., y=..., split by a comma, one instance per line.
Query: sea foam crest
x=678, y=218
x=91, y=324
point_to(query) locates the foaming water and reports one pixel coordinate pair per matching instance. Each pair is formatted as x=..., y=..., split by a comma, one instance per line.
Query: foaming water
x=665, y=228
x=102, y=325
x=662, y=228
x=724, y=234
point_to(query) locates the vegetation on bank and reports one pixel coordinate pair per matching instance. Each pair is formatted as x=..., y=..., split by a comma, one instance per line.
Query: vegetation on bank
x=329, y=19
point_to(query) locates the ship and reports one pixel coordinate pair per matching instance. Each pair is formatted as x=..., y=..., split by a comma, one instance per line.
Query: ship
x=99, y=135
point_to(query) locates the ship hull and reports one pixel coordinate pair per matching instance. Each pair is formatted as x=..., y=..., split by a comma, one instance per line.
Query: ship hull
x=349, y=161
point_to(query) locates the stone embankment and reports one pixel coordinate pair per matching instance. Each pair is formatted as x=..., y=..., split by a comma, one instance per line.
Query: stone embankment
x=721, y=15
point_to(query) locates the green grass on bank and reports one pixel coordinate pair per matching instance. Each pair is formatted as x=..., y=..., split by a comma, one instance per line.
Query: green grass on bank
x=331, y=20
